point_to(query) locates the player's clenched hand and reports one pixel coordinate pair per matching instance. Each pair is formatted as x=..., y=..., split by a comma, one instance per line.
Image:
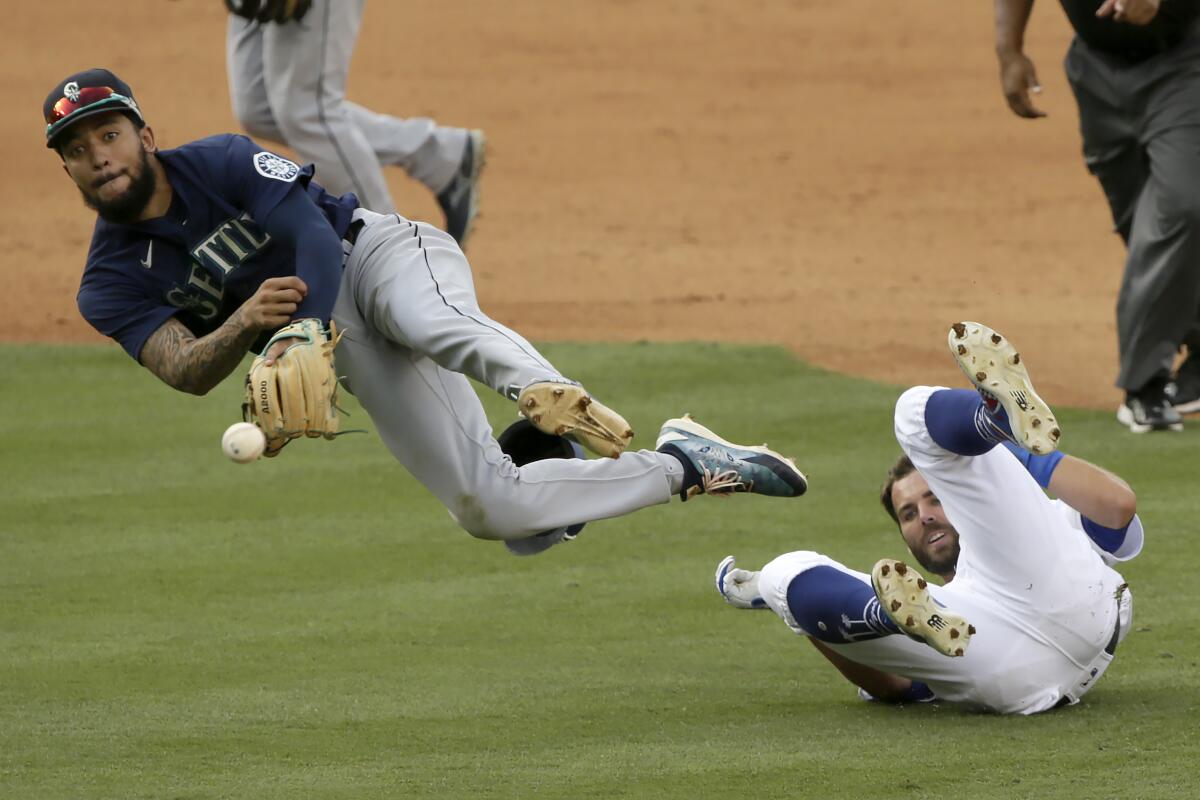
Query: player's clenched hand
x=739, y=587
x=273, y=304
x=1018, y=78
x=1135, y=12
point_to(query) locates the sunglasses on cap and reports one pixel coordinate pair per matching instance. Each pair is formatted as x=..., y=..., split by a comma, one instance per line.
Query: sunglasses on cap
x=87, y=98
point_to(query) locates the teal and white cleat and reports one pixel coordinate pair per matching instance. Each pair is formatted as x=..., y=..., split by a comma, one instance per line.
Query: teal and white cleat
x=722, y=468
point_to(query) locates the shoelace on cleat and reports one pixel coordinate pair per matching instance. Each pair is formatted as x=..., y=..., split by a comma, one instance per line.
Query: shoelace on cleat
x=722, y=482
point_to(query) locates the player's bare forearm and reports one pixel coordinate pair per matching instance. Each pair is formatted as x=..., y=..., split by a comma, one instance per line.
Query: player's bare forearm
x=881, y=685
x=195, y=365
x=1094, y=492
x=1011, y=18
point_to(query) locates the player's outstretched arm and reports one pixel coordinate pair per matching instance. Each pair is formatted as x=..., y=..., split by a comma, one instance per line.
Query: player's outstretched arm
x=1094, y=492
x=194, y=364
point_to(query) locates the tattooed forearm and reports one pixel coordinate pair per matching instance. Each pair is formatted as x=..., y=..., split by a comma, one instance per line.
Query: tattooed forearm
x=192, y=365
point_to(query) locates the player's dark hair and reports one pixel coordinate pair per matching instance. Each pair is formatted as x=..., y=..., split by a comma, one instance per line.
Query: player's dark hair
x=900, y=469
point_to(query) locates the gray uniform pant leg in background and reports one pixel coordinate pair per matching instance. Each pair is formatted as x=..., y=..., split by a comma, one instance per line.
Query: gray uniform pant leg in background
x=413, y=333
x=287, y=83
x=1141, y=138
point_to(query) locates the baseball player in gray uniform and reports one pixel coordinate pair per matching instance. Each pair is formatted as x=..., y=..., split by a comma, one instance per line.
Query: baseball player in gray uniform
x=201, y=252
x=1134, y=66
x=1031, y=612
x=288, y=62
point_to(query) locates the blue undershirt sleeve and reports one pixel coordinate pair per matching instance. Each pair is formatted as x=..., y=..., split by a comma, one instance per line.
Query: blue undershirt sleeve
x=298, y=223
x=1107, y=539
x=1040, y=467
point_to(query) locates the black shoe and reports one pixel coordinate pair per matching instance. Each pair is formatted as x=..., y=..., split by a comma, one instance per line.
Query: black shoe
x=460, y=200
x=1148, y=410
x=1183, y=392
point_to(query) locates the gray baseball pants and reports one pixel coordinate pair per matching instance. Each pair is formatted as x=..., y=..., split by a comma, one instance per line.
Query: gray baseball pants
x=413, y=335
x=1141, y=138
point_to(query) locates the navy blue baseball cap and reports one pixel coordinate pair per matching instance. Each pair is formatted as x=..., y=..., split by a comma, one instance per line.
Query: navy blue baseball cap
x=83, y=94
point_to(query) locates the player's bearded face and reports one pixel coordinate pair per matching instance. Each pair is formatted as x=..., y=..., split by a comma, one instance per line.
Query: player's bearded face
x=937, y=550
x=124, y=206
x=923, y=524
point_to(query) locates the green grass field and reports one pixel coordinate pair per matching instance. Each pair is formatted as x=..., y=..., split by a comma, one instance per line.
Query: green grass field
x=176, y=626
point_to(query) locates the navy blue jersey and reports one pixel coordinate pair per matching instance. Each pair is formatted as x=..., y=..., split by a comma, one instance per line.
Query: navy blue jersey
x=209, y=253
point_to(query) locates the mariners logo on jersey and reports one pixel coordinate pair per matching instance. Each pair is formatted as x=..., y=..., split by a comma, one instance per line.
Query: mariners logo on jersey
x=270, y=165
x=231, y=243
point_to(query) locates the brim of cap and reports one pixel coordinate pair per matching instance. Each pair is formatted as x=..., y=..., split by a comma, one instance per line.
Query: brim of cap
x=102, y=107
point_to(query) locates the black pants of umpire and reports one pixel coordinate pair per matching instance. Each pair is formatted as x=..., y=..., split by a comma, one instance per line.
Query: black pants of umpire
x=1140, y=122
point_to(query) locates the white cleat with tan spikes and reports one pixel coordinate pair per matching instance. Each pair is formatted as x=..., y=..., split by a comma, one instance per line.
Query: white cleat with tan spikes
x=995, y=369
x=905, y=598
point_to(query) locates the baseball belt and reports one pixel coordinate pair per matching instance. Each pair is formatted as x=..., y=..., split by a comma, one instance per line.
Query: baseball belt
x=1098, y=666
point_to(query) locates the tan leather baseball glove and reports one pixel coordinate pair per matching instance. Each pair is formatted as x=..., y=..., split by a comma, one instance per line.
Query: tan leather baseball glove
x=297, y=395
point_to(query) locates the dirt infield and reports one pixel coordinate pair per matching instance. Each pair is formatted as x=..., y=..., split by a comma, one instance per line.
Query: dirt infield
x=840, y=178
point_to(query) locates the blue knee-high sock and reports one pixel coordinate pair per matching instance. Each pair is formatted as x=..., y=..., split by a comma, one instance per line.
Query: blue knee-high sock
x=837, y=608
x=960, y=421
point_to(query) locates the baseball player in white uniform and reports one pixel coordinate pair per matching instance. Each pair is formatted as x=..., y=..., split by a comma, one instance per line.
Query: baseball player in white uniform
x=1031, y=612
x=288, y=62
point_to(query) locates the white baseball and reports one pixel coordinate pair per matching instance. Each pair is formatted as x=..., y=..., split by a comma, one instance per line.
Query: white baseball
x=243, y=442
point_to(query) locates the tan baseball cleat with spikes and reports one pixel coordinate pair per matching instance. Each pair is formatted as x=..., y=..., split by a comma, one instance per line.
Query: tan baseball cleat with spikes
x=566, y=409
